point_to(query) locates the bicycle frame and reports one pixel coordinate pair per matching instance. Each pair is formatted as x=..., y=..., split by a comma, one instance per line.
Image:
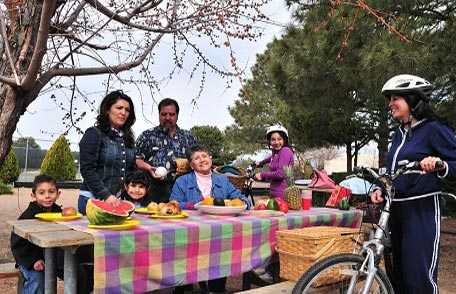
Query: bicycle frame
x=373, y=248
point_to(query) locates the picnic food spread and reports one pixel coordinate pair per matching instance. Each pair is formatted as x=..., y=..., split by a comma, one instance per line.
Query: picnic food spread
x=101, y=213
x=222, y=202
x=170, y=208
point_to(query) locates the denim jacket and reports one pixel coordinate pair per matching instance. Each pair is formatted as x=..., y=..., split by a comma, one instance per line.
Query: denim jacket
x=186, y=191
x=105, y=161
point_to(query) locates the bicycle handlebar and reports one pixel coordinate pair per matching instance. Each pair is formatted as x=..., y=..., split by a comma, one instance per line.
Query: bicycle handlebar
x=404, y=167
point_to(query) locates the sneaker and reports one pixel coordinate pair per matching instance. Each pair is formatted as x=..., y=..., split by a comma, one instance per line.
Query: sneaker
x=259, y=271
x=267, y=277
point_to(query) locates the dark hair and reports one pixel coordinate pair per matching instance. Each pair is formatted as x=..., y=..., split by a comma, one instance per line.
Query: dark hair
x=282, y=134
x=103, y=122
x=137, y=177
x=168, y=102
x=196, y=148
x=419, y=108
x=39, y=179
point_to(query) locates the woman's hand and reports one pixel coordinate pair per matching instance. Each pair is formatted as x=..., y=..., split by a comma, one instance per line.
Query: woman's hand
x=376, y=196
x=38, y=265
x=113, y=201
x=258, y=177
x=428, y=164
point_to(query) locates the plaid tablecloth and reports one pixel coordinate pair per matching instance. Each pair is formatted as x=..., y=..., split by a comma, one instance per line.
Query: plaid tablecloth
x=166, y=253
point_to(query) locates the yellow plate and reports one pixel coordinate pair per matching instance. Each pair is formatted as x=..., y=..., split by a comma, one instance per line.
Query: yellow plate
x=128, y=224
x=56, y=216
x=183, y=214
x=144, y=210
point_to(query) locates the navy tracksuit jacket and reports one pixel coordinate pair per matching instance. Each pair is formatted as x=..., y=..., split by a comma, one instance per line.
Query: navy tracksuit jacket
x=415, y=212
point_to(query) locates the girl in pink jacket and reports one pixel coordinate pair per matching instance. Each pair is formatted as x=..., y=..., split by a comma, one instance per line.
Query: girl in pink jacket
x=282, y=155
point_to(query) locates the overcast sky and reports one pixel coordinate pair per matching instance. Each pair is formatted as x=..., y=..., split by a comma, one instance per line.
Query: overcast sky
x=43, y=119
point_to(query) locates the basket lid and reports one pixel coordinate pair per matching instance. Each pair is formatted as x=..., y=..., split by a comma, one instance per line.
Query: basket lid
x=318, y=232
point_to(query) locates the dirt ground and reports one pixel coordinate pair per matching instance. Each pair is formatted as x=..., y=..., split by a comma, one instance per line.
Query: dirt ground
x=12, y=205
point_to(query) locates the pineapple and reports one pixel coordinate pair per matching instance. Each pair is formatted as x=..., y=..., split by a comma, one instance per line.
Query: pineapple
x=292, y=193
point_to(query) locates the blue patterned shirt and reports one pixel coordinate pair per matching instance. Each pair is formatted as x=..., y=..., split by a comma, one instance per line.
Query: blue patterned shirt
x=157, y=148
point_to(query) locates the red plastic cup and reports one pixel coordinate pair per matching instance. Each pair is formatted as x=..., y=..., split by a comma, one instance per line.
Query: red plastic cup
x=306, y=199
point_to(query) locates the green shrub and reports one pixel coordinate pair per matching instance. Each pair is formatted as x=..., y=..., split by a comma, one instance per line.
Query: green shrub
x=5, y=189
x=59, y=162
x=9, y=171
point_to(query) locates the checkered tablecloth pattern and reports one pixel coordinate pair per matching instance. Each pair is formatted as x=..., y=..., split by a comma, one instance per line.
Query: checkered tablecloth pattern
x=165, y=253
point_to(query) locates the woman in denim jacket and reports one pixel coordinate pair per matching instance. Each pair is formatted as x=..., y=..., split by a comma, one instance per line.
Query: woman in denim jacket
x=107, y=152
x=193, y=187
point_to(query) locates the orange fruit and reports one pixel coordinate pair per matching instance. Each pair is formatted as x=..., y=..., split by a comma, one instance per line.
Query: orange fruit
x=208, y=201
x=237, y=202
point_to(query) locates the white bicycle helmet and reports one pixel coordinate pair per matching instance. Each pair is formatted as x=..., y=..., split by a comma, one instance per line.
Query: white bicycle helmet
x=276, y=128
x=408, y=85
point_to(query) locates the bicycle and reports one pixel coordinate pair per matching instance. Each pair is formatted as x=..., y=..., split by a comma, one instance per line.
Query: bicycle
x=359, y=273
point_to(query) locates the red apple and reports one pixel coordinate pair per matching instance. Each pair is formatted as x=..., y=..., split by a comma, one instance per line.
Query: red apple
x=69, y=211
x=283, y=207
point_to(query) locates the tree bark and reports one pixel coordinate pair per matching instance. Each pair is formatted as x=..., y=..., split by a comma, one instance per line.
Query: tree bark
x=348, y=152
x=10, y=112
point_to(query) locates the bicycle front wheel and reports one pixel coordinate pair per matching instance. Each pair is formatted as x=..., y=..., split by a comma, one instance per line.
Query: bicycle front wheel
x=333, y=275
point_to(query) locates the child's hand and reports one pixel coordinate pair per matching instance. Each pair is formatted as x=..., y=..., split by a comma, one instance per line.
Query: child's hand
x=38, y=265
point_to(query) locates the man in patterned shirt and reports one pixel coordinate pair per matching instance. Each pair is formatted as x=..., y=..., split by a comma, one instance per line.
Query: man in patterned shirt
x=161, y=146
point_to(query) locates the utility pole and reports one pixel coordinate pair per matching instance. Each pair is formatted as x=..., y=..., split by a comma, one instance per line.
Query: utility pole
x=26, y=156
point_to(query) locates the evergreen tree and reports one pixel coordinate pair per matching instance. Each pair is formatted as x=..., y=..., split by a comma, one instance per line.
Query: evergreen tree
x=9, y=171
x=214, y=140
x=59, y=162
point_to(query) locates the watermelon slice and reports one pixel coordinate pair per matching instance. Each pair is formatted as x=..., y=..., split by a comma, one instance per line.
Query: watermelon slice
x=101, y=213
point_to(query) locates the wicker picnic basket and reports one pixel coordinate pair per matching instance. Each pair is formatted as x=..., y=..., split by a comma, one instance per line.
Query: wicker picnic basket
x=299, y=249
x=237, y=181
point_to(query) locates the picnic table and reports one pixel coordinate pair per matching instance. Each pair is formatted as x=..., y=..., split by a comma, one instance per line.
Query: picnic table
x=166, y=253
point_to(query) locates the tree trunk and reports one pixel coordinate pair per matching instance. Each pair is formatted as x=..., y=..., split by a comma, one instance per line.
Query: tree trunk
x=355, y=154
x=349, y=157
x=21, y=37
x=10, y=111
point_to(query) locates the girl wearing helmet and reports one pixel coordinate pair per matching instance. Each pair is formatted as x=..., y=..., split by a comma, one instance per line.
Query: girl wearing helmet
x=415, y=212
x=282, y=155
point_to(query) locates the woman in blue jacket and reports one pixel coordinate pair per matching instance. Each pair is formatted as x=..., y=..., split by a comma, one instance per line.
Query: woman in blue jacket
x=415, y=212
x=193, y=187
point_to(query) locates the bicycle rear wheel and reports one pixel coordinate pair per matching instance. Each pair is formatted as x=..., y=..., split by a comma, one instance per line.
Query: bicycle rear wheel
x=333, y=274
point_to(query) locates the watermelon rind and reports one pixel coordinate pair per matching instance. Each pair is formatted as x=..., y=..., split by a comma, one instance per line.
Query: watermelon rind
x=101, y=213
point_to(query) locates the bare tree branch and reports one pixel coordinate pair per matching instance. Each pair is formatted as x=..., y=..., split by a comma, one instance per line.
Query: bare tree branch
x=143, y=7
x=40, y=45
x=103, y=69
x=7, y=48
x=9, y=81
x=71, y=36
x=73, y=17
x=125, y=20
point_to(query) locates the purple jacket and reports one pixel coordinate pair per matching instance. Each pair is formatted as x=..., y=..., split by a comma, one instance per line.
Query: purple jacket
x=277, y=161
